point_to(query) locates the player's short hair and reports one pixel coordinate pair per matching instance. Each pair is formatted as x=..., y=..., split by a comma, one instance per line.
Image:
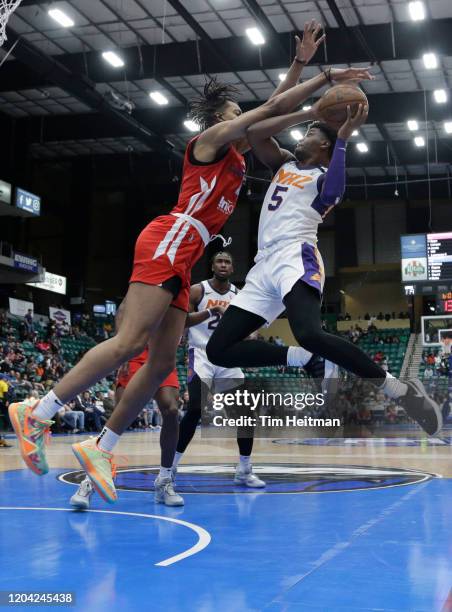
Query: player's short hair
x=227, y=253
x=215, y=95
x=327, y=131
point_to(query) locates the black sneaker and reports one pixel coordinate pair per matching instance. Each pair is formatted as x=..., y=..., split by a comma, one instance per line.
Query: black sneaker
x=420, y=407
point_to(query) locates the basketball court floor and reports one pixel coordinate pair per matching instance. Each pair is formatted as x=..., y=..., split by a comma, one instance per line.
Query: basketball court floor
x=344, y=524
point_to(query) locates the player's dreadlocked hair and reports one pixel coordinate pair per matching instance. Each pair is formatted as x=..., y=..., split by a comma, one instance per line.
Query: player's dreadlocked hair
x=204, y=108
x=327, y=131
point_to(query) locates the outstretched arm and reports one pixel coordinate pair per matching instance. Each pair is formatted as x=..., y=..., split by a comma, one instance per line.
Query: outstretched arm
x=305, y=51
x=212, y=140
x=266, y=148
x=332, y=187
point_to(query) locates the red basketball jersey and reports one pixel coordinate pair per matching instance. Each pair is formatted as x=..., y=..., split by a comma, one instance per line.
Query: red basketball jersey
x=209, y=191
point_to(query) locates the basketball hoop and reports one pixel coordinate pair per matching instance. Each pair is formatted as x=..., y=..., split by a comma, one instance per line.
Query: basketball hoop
x=6, y=8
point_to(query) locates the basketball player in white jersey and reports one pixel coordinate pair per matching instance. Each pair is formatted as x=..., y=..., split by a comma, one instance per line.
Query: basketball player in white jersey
x=288, y=271
x=208, y=302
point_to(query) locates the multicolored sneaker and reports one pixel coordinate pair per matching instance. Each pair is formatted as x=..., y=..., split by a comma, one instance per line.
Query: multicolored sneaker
x=32, y=435
x=99, y=466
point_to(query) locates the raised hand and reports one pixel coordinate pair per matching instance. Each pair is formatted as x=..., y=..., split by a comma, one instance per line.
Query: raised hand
x=353, y=122
x=352, y=75
x=306, y=48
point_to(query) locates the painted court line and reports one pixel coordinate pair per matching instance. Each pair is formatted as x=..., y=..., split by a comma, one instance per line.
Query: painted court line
x=204, y=536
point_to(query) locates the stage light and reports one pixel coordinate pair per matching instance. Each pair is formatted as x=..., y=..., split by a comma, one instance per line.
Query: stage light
x=61, y=18
x=417, y=10
x=255, y=36
x=413, y=125
x=362, y=147
x=191, y=125
x=355, y=133
x=440, y=96
x=448, y=127
x=296, y=135
x=282, y=76
x=419, y=141
x=430, y=61
x=307, y=107
x=112, y=58
x=158, y=98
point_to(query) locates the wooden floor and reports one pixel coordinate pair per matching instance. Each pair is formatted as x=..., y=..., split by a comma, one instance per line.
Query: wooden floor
x=142, y=448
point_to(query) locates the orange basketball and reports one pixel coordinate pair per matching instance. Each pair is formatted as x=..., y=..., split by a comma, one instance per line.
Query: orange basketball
x=333, y=104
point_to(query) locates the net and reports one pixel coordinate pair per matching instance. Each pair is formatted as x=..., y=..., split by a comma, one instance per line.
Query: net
x=6, y=8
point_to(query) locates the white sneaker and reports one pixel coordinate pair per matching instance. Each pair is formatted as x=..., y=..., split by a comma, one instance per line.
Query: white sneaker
x=82, y=497
x=165, y=493
x=248, y=478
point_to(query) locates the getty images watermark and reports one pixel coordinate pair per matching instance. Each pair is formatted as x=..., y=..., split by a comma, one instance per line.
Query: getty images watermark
x=287, y=405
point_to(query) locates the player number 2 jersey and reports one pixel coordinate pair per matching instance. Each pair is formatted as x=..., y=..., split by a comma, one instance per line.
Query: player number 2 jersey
x=199, y=335
x=291, y=210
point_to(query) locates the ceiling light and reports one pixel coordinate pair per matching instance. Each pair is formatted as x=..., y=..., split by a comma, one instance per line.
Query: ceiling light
x=362, y=147
x=191, y=125
x=255, y=36
x=307, y=107
x=440, y=96
x=158, y=98
x=282, y=76
x=113, y=59
x=419, y=141
x=417, y=10
x=61, y=18
x=296, y=135
x=448, y=127
x=430, y=61
x=355, y=133
x=413, y=125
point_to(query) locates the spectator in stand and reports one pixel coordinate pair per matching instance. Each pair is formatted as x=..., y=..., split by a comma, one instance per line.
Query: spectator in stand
x=391, y=414
x=74, y=419
x=367, y=317
x=4, y=388
x=29, y=322
x=279, y=341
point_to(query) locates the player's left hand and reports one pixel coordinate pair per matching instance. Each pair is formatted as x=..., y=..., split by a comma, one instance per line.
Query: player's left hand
x=353, y=122
x=306, y=48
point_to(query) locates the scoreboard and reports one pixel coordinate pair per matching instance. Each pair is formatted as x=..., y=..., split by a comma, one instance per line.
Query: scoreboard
x=439, y=256
x=426, y=257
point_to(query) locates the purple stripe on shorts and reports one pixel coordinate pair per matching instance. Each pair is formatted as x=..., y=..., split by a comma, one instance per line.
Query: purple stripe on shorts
x=191, y=364
x=312, y=275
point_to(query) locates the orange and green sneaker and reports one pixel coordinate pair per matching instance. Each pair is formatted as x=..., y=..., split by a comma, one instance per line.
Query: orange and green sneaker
x=32, y=434
x=99, y=466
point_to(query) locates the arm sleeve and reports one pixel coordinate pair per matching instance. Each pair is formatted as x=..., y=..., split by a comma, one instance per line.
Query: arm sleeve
x=332, y=184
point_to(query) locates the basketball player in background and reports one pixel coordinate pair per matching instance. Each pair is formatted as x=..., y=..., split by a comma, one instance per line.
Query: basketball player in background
x=288, y=272
x=208, y=302
x=166, y=250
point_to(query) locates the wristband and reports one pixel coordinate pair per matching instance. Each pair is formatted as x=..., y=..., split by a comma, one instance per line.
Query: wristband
x=302, y=62
x=210, y=312
x=327, y=75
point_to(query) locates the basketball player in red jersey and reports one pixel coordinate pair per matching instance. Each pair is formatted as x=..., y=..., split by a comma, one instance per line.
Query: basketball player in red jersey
x=165, y=252
x=166, y=398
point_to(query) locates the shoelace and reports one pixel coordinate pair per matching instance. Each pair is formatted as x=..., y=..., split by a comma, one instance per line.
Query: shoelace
x=118, y=465
x=226, y=243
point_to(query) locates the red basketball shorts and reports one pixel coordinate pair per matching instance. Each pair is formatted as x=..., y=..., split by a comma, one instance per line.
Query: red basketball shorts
x=168, y=247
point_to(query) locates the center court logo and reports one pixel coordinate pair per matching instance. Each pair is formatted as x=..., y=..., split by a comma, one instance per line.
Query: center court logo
x=281, y=478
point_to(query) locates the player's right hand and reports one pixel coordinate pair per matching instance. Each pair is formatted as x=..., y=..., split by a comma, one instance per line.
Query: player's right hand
x=353, y=122
x=219, y=309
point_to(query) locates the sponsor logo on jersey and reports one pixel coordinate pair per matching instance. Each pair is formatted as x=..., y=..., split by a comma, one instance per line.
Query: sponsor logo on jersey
x=226, y=206
x=281, y=478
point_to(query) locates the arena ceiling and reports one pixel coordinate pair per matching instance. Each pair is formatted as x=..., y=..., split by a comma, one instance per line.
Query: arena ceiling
x=57, y=82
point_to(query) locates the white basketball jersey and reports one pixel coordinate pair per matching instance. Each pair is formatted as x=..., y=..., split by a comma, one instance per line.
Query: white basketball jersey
x=291, y=209
x=198, y=335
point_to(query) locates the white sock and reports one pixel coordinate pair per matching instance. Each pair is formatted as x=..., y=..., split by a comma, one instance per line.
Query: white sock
x=47, y=407
x=177, y=458
x=297, y=356
x=392, y=387
x=245, y=462
x=165, y=472
x=107, y=439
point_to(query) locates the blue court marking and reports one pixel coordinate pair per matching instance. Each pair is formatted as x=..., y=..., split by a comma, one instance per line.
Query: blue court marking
x=384, y=549
x=365, y=442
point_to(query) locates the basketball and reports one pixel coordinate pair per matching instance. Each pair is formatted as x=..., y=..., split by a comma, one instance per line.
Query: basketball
x=333, y=104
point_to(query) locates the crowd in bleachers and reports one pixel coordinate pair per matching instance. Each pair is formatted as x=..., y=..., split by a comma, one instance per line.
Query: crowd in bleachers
x=388, y=316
